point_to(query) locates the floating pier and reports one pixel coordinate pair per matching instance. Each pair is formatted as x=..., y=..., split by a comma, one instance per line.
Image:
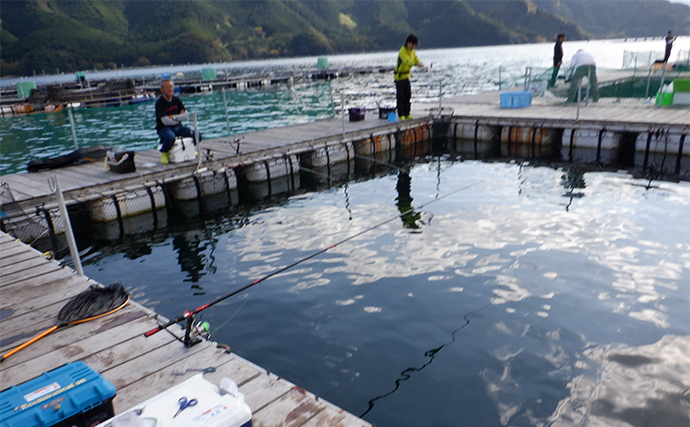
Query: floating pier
x=620, y=134
x=33, y=291
x=126, y=91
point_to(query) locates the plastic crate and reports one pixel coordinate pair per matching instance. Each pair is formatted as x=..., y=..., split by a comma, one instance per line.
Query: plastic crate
x=71, y=395
x=516, y=99
x=357, y=114
x=214, y=407
x=681, y=85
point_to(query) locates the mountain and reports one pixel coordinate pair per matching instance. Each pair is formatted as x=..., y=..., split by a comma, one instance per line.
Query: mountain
x=71, y=35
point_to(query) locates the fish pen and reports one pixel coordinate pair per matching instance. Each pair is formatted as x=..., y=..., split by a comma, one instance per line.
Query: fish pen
x=650, y=153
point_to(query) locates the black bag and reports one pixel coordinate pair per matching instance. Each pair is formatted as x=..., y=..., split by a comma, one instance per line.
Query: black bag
x=121, y=161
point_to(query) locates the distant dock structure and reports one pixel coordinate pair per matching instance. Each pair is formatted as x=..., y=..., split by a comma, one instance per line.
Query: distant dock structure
x=28, y=97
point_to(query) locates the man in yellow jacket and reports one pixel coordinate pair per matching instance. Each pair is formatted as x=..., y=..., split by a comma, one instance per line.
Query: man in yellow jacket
x=407, y=58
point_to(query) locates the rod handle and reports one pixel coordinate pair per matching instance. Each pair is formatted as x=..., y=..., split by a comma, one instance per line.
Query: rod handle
x=153, y=331
x=26, y=344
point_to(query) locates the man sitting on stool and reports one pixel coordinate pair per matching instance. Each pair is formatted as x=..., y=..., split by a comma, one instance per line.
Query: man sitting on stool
x=170, y=114
x=584, y=66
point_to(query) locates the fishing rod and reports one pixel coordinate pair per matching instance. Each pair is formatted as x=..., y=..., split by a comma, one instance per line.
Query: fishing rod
x=189, y=314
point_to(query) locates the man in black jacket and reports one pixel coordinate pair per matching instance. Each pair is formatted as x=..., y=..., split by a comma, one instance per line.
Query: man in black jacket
x=557, y=58
x=170, y=113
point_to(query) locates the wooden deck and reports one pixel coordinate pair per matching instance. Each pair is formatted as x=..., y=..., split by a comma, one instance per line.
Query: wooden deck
x=33, y=291
x=92, y=180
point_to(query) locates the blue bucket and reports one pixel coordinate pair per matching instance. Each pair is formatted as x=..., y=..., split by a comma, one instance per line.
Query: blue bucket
x=392, y=117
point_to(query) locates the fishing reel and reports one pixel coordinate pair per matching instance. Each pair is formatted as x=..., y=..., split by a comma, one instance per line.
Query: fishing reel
x=202, y=329
x=196, y=332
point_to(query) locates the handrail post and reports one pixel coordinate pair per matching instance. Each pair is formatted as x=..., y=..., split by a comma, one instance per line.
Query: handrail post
x=71, y=124
x=227, y=118
x=197, y=143
x=74, y=251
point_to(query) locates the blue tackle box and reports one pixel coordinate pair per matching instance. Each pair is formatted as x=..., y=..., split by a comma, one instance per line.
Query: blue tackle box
x=516, y=99
x=71, y=395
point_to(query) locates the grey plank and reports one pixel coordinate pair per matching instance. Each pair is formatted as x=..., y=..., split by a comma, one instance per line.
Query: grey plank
x=27, y=297
x=82, y=342
x=36, y=276
x=21, y=266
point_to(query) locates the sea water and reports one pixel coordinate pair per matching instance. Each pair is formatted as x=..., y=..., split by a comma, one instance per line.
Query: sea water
x=452, y=73
x=477, y=294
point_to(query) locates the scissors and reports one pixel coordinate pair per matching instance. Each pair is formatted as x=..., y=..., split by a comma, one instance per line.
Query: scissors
x=184, y=404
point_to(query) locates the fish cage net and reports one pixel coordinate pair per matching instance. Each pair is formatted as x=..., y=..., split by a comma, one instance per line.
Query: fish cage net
x=635, y=60
x=25, y=226
x=111, y=217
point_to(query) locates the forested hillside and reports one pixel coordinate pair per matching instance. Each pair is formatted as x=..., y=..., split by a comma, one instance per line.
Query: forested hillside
x=70, y=35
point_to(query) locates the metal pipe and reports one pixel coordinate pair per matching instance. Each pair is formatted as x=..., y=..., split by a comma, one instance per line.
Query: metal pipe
x=661, y=85
x=440, y=97
x=649, y=78
x=68, y=226
x=227, y=118
x=196, y=141
x=71, y=124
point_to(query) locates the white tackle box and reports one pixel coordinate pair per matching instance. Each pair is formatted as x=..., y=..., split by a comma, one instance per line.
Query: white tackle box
x=216, y=407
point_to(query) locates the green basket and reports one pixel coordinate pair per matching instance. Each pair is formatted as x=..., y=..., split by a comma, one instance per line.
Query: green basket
x=666, y=98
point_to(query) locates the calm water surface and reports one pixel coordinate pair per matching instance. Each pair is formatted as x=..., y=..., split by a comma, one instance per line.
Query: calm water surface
x=498, y=302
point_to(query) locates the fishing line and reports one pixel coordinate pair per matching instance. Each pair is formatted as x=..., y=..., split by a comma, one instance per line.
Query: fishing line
x=190, y=313
x=375, y=160
x=431, y=354
x=237, y=311
x=329, y=177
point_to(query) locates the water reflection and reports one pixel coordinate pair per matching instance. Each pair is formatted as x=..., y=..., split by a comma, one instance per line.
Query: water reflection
x=646, y=386
x=404, y=201
x=570, y=299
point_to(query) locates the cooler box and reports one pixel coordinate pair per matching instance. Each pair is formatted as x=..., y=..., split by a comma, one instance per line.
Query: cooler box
x=183, y=150
x=72, y=395
x=383, y=112
x=357, y=114
x=120, y=161
x=516, y=99
x=212, y=409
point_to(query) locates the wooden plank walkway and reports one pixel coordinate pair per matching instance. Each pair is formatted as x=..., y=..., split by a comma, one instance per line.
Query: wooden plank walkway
x=90, y=180
x=33, y=291
x=629, y=114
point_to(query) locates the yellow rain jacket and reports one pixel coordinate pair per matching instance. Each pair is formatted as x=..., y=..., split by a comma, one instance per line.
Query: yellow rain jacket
x=407, y=58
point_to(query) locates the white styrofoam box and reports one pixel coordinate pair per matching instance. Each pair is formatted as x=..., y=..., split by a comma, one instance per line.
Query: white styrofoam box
x=212, y=409
x=681, y=98
x=183, y=149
